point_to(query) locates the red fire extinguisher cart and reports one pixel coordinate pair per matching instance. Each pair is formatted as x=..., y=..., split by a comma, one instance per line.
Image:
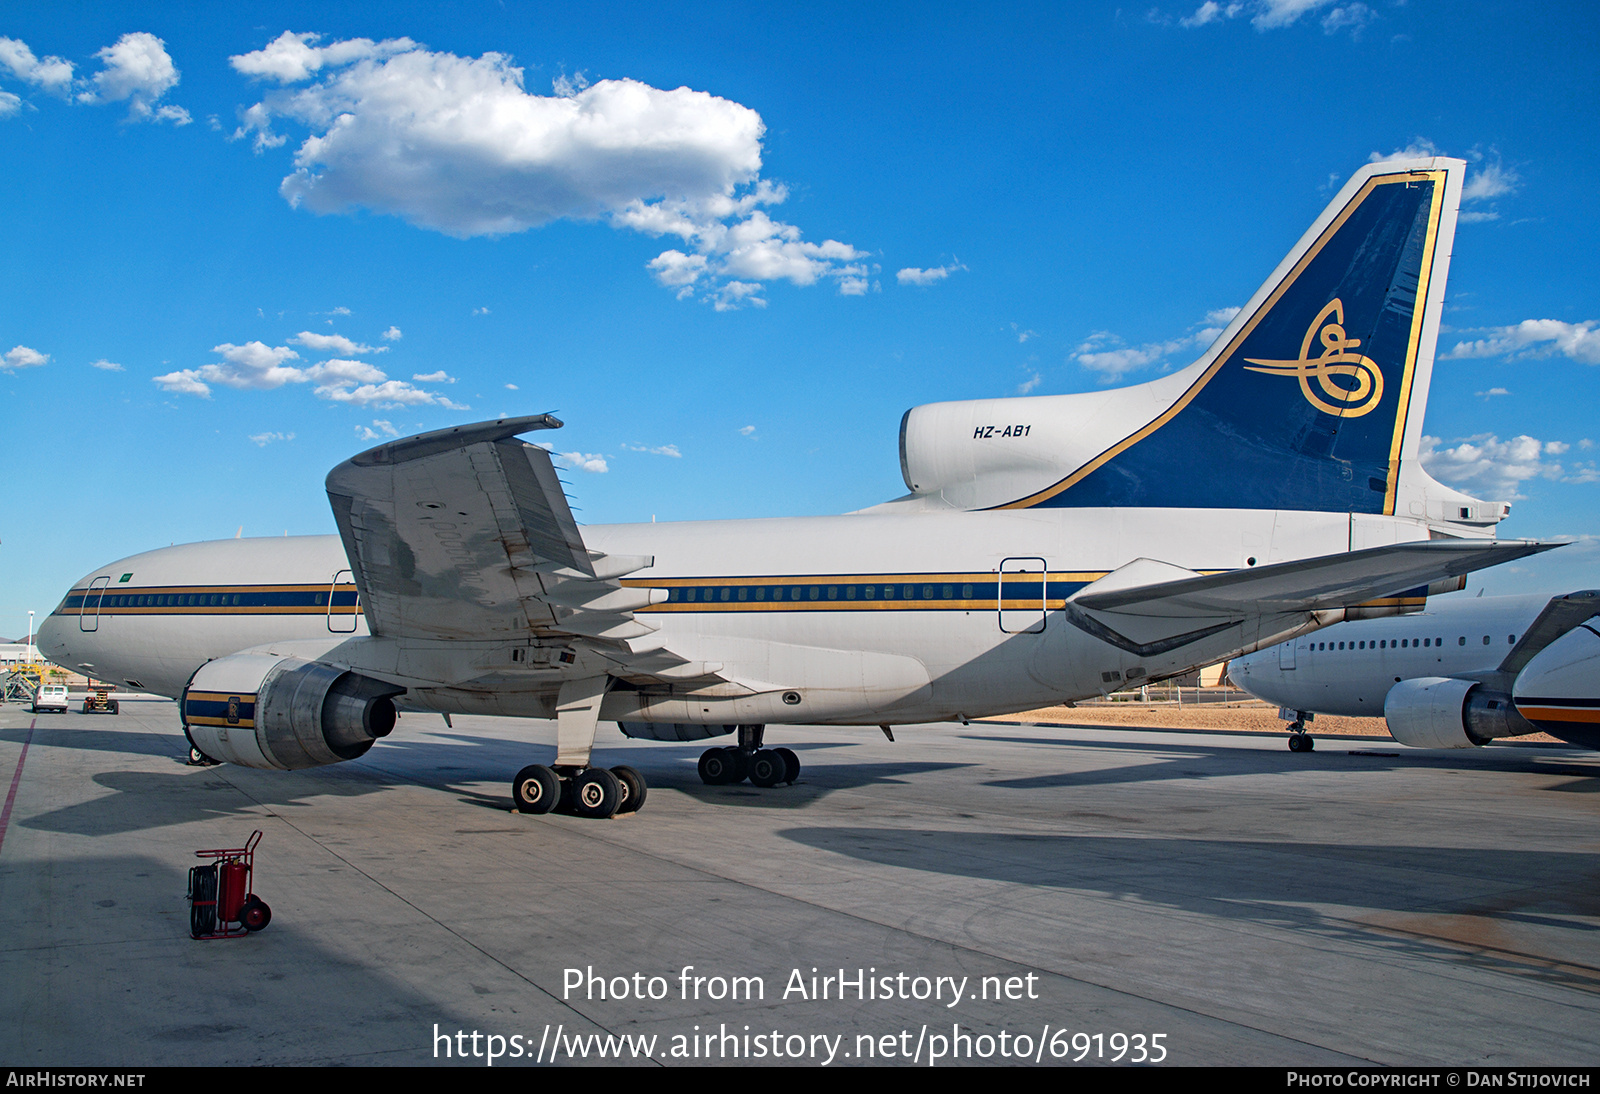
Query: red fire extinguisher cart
x=222, y=899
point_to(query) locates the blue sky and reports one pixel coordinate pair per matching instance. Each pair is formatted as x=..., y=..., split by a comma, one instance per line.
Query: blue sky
x=730, y=244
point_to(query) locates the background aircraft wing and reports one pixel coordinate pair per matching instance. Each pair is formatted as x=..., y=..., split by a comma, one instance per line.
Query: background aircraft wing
x=1558, y=617
x=465, y=533
x=1311, y=584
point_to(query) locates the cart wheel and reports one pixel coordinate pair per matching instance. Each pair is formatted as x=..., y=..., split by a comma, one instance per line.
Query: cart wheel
x=114, y=707
x=255, y=915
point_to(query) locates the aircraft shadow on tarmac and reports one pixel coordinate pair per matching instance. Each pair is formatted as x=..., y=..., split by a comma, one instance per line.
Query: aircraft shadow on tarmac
x=1436, y=902
x=1168, y=760
x=151, y=799
x=129, y=742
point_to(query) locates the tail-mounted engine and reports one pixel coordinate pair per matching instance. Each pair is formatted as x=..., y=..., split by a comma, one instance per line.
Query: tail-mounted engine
x=265, y=710
x=1449, y=712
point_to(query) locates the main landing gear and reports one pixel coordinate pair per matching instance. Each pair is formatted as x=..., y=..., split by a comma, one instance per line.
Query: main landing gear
x=762, y=766
x=570, y=785
x=585, y=792
x=1299, y=739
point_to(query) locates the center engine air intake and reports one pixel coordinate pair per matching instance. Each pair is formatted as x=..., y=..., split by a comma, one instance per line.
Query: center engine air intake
x=269, y=711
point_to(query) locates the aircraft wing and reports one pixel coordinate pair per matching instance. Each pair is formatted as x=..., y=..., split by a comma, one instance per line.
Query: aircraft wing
x=465, y=533
x=1558, y=617
x=1311, y=584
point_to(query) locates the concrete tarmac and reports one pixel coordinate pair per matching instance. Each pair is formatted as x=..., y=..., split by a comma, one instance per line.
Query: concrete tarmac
x=1247, y=904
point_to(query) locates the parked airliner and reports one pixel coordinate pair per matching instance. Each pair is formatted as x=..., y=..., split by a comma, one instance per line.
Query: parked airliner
x=1048, y=549
x=1461, y=673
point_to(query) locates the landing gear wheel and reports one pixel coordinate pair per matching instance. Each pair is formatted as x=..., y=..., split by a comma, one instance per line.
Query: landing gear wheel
x=1302, y=742
x=596, y=793
x=535, y=789
x=718, y=765
x=633, y=789
x=255, y=915
x=791, y=764
x=767, y=768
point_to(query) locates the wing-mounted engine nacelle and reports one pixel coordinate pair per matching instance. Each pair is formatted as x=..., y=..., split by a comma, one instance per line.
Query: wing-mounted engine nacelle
x=1449, y=712
x=269, y=711
x=672, y=731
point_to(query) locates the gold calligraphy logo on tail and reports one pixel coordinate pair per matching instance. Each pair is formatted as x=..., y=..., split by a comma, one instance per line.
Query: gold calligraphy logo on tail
x=1362, y=385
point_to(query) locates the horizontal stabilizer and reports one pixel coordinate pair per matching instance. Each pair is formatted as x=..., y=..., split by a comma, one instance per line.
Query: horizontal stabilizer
x=1312, y=584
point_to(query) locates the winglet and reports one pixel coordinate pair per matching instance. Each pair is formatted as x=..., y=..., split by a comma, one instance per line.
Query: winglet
x=457, y=436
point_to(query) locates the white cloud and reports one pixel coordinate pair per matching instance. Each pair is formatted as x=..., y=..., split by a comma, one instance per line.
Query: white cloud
x=586, y=461
x=384, y=429
x=1276, y=14
x=137, y=69
x=1490, y=180
x=1211, y=12
x=480, y=311
x=456, y=145
x=511, y=387
x=913, y=276
x=1272, y=14
x=106, y=366
x=1105, y=353
x=440, y=377
x=392, y=335
x=389, y=393
x=663, y=450
x=185, y=382
x=1023, y=335
x=264, y=439
x=340, y=373
x=1489, y=467
x=333, y=343
x=1537, y=338
x=1027, y=386
x=22, y=357
x=1491, y=393
x=252, y=365
x=747, y=431
x=9, y=104
x=736, y=294
x=52, y=73
x=290, y=58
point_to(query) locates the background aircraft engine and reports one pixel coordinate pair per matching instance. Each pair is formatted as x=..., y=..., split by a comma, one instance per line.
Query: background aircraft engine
x=1441, y=712
x=265, y=710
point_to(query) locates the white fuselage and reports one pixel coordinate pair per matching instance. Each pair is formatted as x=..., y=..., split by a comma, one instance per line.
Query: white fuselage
x=1349, y=668
x=888, y=617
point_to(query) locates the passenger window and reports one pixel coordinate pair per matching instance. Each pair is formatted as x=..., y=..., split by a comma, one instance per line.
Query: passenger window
x=868, y=591
x=966, y=592
x=744, y=594
x=833, y=592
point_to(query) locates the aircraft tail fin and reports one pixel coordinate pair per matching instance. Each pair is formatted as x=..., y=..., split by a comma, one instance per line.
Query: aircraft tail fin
x=1311, y=399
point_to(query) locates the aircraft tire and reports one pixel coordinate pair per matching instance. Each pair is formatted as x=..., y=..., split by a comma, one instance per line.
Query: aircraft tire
x=791, y=764
x=596, y=793
x=633, y=787
x=717, y=766
x=536, y=789
x=767, y=768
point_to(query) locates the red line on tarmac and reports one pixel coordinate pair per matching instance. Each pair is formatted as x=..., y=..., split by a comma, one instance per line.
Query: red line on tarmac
x=5, y=814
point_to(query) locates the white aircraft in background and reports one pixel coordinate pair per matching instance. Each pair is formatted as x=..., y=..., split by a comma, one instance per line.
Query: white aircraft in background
x=1459, y=674
x=1049, y=549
